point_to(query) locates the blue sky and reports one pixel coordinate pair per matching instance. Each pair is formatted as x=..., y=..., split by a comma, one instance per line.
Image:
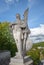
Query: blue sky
x=9, y=8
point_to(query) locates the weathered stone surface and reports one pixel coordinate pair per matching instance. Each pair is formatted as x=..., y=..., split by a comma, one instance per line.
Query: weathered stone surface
x=20, y=61
x=21, y=35
x=4, y=57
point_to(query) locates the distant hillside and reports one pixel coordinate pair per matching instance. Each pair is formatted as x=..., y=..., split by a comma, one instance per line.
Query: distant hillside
x=41, y=44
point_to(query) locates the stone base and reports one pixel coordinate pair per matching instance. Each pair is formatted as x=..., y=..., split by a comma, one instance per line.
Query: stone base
x=20, y=61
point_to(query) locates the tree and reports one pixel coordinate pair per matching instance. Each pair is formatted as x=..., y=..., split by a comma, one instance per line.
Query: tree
x=6, y=40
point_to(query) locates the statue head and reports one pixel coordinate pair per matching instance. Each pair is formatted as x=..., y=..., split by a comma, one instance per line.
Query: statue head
x=18, y=16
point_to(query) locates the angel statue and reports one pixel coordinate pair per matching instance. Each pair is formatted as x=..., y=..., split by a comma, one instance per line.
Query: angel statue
x=21, y=34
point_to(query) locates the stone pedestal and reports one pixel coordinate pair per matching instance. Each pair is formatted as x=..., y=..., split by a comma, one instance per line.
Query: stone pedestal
x=21, y=61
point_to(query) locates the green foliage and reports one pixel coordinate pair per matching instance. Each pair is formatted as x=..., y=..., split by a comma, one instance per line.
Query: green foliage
x=35, y=55
x=42, y=54
x=41, y=44
x=6, y=40
x=41, y=50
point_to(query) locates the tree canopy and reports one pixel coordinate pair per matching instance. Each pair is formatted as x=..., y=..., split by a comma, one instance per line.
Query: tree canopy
x=6, y=39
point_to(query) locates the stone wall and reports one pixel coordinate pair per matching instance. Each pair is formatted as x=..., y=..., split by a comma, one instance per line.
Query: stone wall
x=4, y=57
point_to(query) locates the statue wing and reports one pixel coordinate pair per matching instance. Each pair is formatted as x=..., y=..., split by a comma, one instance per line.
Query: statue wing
x=26, y=14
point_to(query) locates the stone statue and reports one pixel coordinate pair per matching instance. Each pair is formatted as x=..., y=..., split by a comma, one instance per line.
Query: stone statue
x=21, y=34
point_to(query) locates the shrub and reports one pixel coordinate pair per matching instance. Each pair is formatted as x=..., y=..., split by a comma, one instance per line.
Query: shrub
x=35, y=55
x=42, y=54
x=6, y=40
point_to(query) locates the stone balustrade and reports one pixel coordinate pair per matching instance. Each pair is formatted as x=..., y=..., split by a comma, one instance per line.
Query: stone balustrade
x=4, y=57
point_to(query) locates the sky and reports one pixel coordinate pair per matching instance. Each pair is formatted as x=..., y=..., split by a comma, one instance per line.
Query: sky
x=9, y=8
x=37, y=34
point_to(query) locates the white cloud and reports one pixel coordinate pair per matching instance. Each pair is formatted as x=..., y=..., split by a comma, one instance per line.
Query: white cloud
x=37, y=34
x=38, y=30
x=5, y=5
x=9, y=1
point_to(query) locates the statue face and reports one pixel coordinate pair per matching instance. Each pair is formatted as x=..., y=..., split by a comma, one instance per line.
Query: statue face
x=18, y=16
